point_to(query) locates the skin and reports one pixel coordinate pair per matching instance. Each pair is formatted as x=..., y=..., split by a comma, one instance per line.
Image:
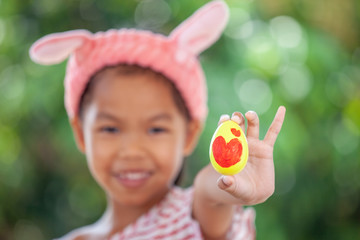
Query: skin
x=121, y=132
x=213, y=206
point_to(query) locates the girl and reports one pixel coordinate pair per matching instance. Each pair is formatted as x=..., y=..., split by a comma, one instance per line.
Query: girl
x=137, y=104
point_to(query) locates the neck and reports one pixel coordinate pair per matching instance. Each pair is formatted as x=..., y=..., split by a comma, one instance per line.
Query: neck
x=118, y=216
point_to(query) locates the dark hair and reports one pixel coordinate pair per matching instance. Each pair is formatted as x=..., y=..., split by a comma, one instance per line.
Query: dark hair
x=124, y=69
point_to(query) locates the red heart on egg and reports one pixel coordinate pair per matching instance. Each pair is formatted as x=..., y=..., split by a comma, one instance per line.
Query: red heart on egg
x=235, y=132
x=227, y=154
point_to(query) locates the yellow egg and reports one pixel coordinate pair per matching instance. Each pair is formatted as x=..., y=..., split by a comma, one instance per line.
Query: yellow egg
x=229, y=149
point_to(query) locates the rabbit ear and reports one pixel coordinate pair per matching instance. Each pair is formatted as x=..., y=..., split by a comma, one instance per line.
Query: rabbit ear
x=203, y=28
x=55, y=48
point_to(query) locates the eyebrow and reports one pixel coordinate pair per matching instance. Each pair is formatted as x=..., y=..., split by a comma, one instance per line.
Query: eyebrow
x=107, y=116
x=161, y=116
x=158, y=117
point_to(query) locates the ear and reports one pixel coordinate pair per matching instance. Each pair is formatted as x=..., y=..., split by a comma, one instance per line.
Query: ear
x=193, y=133
x=77, y=128
x=55, y=48
x=203, y=28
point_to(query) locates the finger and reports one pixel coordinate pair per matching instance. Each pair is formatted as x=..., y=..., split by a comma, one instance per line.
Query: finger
x=223, y=118
x=226, y=183
x=253, y=124
x=239, y=119
x=275, y=126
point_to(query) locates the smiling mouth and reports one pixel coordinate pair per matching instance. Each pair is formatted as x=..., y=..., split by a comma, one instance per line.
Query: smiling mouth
x=133, y=179
x=134, y=175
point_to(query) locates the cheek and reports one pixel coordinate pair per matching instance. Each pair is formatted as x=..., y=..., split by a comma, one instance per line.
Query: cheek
x=171, y=154
x=98, y=154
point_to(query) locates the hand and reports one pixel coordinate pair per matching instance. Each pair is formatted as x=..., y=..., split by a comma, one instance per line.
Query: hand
x=256, y=182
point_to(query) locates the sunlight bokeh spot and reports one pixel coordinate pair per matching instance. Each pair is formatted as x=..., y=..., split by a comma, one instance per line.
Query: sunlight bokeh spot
x=255, y=94
x=296, y=82
x=286, y=31
x=152, y=14
x=262, y=54
x=236, y=28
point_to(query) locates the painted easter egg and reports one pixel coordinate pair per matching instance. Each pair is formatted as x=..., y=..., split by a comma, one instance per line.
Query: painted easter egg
x=229, y=149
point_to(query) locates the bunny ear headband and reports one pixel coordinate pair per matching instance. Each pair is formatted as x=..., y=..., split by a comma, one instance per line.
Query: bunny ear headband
x=174, y=56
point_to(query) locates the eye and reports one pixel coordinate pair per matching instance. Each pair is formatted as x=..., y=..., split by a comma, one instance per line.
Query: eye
x=109, y=129
x=157, y=130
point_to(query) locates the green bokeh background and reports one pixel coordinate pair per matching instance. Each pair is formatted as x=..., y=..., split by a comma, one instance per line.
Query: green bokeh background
x=303, y=54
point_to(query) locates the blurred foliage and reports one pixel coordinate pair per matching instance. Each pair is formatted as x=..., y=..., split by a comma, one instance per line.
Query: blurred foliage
x=303, y=54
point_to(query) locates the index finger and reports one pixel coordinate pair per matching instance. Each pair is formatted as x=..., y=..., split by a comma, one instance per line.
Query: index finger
x=275, y=127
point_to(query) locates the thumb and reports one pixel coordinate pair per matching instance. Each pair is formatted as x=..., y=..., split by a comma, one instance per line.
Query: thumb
x=227, y=183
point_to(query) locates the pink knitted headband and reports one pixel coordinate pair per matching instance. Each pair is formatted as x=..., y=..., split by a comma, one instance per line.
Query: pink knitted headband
x=174, y=56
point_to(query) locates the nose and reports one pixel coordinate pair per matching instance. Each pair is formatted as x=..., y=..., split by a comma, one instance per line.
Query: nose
x=131, y=148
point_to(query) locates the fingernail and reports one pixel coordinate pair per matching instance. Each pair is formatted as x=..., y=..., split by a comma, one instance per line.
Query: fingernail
x=250, y=114
x=226, y=180
x=224, y=117
x=236, y=119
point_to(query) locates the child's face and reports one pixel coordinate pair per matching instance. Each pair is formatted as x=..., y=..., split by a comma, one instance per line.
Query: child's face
x=134, y=137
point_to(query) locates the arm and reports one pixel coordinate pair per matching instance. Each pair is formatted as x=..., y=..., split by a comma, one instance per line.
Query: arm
x=216, y=195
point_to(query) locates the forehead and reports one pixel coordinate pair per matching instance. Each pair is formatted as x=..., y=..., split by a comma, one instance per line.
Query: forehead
x=142, y=82
x=132, y=91
x=128, y=72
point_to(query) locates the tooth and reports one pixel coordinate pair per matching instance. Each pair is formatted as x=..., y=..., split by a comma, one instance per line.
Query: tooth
x=134, y=175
